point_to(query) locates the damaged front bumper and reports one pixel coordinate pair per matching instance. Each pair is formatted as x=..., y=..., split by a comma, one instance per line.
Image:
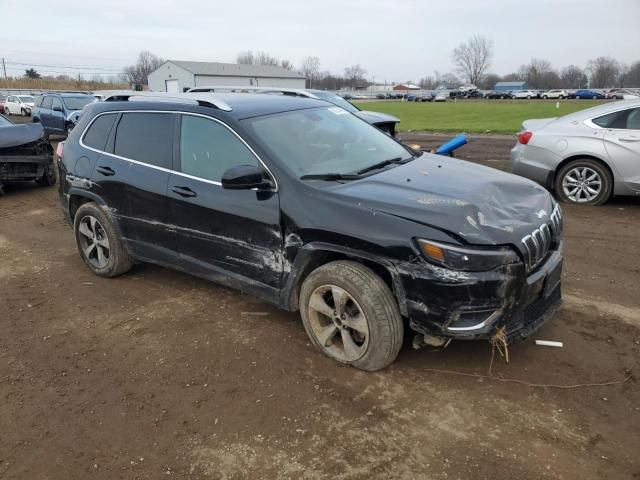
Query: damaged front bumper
x=475, y=305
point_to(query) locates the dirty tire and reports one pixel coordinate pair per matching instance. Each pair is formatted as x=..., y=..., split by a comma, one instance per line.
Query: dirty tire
x=48, y=178
x=602, y=172
x=376, y=302
x=119, y=261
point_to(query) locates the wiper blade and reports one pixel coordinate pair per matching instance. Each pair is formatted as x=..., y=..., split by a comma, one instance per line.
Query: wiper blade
x=383, y=164
x=329, y=176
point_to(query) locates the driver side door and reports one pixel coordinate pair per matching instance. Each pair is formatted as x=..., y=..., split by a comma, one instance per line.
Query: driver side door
x=224, y=234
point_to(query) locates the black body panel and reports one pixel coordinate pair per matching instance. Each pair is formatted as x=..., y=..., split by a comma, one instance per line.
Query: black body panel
x=265, y=241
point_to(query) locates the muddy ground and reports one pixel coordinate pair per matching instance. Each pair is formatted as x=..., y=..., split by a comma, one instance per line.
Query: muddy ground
x=157, y=374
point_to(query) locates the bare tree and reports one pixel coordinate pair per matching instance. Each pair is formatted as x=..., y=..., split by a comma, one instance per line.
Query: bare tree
x=571, y=77
x=473, y=57
x=539, y=74
x=604, y=72
x=310, y=68
x=139, y=73
x=488, y=81
x=248, y=57
x=427, y=83
x=354, y=74
x=631, y=77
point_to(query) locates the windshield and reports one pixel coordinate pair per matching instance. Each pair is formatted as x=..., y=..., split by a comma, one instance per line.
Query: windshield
x=25, y=99
x=336, y=100
x=77, y=103
x=325, y=140
x=4, y=122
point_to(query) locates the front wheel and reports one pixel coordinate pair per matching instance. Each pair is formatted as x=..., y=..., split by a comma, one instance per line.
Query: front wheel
x=584, y=181
x=99, y=243
x=351, y=315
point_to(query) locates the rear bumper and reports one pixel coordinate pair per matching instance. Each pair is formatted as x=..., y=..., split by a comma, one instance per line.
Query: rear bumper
x=475, y=305
x=534, y=163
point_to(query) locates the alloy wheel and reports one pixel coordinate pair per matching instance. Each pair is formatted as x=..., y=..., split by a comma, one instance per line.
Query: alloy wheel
x=582, y=184
x=338, y=323
x=94, y=242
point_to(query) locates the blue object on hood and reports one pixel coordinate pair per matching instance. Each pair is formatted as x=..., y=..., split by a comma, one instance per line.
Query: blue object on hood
x=451, y=145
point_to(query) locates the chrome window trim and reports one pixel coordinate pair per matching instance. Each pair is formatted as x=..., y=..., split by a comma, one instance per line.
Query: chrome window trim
x=162, y=169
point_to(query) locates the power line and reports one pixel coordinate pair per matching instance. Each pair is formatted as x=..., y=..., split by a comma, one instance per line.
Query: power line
x=55, y=54
x=76, y=67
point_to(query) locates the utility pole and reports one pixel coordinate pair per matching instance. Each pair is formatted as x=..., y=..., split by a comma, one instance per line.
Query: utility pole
x=4, y=68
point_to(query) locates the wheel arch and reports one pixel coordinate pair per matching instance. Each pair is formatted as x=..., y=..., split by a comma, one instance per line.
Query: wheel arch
x=316, y=254
x=78, y=197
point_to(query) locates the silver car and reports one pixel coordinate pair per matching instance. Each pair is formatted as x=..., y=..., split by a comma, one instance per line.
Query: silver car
x=586, y=156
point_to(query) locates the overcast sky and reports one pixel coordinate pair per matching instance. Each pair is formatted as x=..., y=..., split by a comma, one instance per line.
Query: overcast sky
x=394, y=40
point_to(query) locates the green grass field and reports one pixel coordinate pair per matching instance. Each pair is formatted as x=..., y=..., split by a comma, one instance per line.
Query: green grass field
x=492, y=116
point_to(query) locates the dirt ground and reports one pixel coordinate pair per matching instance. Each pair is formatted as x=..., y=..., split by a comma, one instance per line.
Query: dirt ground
x=157, y=374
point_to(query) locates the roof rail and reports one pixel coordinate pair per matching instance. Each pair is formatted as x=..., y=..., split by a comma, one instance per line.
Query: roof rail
x=201, y=99
x=295, y=92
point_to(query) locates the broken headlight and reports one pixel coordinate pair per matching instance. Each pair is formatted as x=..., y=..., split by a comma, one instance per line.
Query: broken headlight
x=467, y=259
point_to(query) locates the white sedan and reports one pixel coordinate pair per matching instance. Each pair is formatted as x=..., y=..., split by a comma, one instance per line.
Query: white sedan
x=525, y=94
x=18, y=105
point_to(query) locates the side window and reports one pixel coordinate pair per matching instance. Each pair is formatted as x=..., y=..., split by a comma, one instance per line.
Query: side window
x=146, y=137
x=46, y=103
x=208, y=149
x=98, y=133
x=628, y=119
x=11, y=99
x=56, y=103
x=605, y=120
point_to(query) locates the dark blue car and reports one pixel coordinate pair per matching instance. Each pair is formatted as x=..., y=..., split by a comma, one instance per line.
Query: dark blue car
x=589, y=94
x=59, y=112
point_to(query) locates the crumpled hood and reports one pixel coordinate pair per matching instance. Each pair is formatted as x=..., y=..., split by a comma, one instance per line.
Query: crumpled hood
x=480, y=204
x=376, y=117
x=15, y=135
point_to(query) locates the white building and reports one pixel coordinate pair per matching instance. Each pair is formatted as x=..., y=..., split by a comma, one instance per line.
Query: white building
x=177, y=76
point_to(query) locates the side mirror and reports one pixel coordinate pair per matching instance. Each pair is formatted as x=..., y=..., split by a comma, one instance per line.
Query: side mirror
x=244, y=177
x=57, y=108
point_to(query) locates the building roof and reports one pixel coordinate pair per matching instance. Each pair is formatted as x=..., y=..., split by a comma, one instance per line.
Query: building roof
x=236, y=70
x=511, y=84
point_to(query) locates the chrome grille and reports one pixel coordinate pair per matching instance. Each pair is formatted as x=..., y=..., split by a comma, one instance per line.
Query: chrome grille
x=539, y=243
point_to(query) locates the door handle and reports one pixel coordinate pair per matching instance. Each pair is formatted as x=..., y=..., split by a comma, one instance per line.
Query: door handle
x=184, y=191
x=630, y=139
x=106, y=171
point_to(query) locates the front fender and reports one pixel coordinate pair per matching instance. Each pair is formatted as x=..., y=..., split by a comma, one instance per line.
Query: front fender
x=315, y=254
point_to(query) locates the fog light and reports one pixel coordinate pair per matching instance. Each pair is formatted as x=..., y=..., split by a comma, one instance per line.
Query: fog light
x=469, y=321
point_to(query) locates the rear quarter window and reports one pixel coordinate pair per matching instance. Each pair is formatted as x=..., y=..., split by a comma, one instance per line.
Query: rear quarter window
x=98, y=132
x=146, y=137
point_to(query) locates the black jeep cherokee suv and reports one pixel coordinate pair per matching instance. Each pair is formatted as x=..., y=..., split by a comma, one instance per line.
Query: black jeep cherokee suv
x=308, y=207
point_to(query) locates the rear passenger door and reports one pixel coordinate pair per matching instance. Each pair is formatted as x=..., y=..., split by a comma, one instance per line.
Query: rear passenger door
x=108, y=174
x=144, y=141
x=622, y=142
x=234, y=233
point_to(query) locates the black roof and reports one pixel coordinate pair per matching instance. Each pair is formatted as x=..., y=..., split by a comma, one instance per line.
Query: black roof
x=243, y=105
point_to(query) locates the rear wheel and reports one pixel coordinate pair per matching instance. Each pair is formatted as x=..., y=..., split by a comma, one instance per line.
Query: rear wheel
x=99, y=243
x=351, y=315
x=585, y=182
